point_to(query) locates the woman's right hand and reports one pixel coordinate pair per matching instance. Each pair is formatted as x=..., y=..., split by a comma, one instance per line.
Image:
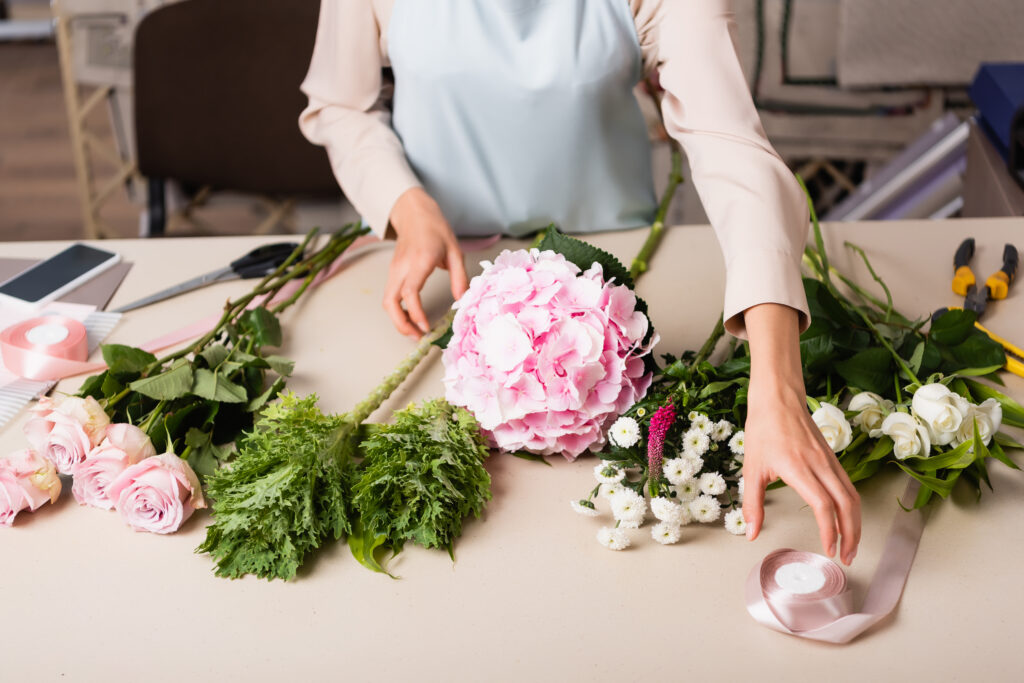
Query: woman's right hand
x=423, y=241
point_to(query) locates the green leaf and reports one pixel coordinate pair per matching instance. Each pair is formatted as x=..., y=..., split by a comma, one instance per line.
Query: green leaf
x=883, y=447
x=126, y=360
x=943, y=487
x=169, y=384
x=365, y=546
x=869, y=370
x=281, y=365
x=1013, y=412
x=584, y=255
x=216, y=387
x=952, y=327
x=917, y=358
x=268, y=395
x=263, y=326
x=716, y=387
x=111, y=386
x=1006, y=441
x=955, y=459
x=215, y=355
x=92, y=386
x=996, y=451
x=978, y=372
x=532, y=457
x=979, y=351
x=442, y=341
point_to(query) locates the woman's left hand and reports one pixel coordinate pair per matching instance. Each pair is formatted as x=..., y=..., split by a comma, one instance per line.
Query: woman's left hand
x=781, y=440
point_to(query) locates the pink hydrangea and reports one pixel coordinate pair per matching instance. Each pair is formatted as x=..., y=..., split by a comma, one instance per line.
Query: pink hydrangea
x=546, y=356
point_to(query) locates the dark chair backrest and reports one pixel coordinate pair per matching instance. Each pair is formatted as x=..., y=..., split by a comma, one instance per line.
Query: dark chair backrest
x=217, y=96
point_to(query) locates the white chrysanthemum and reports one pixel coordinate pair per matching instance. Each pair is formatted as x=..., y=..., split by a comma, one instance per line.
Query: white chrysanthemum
x=624, y=432
x=696, y=442
x=666, y=533
x=712, y=483
x=677, y=470
x=641, y=412
x=705, y=509
x=629, y=507
x=666, y=510
x=696, y=462
x=607, y=473
x=613, y=539
x=702, y=423
x=685, y=517
x=734, y=522
x=609, y=491
x=584, y=507
x=687, y=490
x=722, y=430
x=736, y=445
x=740, y=488
x=692, y=416
x=630, y=523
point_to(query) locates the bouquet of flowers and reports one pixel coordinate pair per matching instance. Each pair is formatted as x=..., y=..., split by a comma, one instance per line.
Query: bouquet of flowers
x=913, y=400
x=140, y=436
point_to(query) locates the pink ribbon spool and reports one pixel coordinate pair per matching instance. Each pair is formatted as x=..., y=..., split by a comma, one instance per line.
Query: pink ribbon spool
x=803, y=590
x=805, y=594
x=44, y=348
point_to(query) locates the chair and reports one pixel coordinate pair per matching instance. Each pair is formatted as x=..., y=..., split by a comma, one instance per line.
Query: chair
x=217, y=102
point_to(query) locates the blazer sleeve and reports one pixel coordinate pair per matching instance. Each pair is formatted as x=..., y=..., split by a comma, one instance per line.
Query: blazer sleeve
x=345, y=115
x=752, y=199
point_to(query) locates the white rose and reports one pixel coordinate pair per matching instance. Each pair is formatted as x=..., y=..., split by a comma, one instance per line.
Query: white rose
x=834, y=427
x=909, y=436
x=871, y=410
x=989, y=416
x=940, y=410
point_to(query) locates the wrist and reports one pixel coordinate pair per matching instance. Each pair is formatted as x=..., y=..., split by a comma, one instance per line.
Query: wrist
x=412, y=203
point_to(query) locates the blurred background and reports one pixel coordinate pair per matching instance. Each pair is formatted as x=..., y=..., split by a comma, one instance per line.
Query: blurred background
x=123, y=118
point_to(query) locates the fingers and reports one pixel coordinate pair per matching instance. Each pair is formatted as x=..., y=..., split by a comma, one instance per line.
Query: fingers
x=847, y=506
x=393, y=306
x=457, y=270
x=817, y=497
x=753, y=503
x=404, y=285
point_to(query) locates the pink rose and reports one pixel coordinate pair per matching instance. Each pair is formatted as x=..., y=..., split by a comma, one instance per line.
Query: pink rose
x=157, y=494
x=125, y=445
x=65, y=429
x=26, y=481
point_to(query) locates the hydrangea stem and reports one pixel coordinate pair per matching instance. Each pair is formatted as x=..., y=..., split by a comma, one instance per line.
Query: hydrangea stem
x=365, y=408
x=657, y=229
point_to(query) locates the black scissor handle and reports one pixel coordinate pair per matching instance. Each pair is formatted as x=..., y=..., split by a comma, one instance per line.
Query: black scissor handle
x=263, y=260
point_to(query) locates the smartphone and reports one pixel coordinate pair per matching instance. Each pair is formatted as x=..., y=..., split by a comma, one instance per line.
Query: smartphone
x=57, y=275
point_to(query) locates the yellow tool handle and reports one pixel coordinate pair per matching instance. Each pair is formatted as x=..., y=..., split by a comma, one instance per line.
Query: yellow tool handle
x=964, y=279
x=1009, y=346
x=998, y=284
x=1015, y=366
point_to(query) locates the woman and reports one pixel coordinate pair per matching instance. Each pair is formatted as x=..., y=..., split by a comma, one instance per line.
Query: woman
x=512, y=114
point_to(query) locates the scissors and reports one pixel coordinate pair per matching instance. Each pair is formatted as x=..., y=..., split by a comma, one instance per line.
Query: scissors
x=257, y=263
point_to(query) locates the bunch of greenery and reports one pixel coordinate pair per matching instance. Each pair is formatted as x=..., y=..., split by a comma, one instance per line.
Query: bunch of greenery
x=197, y=400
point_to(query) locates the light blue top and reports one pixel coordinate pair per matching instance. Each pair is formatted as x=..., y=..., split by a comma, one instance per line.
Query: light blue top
x=519, y=113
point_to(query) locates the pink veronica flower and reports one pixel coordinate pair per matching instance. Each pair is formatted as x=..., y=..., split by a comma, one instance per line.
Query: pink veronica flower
x=546, y=356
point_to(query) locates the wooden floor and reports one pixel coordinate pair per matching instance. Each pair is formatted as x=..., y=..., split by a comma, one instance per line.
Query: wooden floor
x=38, y=193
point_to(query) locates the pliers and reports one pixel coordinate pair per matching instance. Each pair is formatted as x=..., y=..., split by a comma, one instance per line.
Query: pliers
x=997, y=286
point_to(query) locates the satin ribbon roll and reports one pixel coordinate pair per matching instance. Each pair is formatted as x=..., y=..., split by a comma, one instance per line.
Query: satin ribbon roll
x=806, y=595
x=45, y=348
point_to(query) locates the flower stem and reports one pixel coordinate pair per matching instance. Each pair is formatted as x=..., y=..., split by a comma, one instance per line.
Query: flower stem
x=657, y=229
x=709, y=346
x=365, y=408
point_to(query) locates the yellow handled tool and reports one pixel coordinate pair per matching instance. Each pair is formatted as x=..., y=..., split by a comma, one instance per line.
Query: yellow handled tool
x=997, y=286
